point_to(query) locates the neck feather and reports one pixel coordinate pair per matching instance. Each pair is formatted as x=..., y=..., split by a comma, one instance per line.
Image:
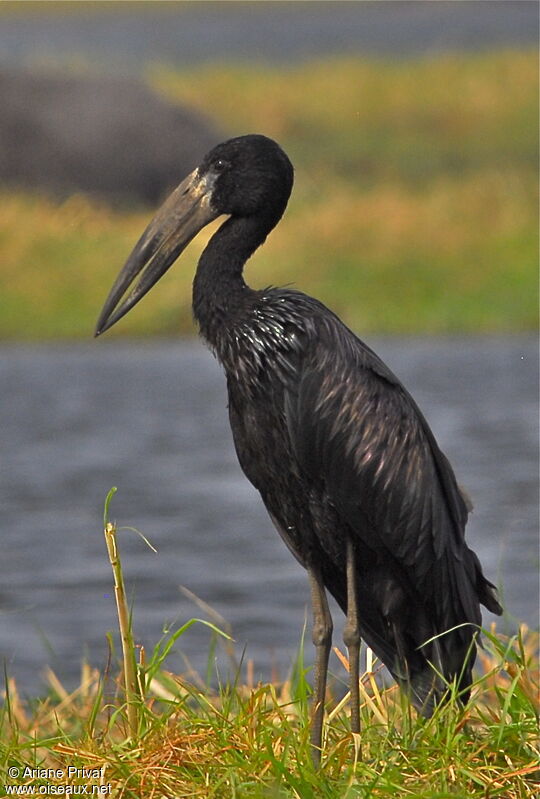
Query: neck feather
x=219, y=290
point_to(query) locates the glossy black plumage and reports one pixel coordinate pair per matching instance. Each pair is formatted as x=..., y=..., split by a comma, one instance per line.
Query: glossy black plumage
x=337, y=447
x=345, y=463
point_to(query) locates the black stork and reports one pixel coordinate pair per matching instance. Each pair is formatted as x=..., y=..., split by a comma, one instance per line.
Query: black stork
x=346, y=464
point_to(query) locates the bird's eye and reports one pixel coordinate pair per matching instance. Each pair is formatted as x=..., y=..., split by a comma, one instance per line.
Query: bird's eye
x=220, y=165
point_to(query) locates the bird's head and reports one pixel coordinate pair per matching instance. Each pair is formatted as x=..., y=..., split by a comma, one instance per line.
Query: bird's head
x=248, y=175
x=242, y=177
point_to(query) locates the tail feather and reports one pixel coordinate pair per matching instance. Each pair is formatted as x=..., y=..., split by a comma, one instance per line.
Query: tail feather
x=452, y=664
x=426, y=647
x=486, y=591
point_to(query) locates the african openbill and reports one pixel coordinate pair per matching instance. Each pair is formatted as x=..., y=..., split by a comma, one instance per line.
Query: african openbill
x=345, y=463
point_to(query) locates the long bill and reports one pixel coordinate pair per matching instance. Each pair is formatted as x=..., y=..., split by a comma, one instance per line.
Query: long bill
x=186, y=211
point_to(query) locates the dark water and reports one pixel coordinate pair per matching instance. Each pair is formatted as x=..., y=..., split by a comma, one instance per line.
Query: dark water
x=140, y=34
x=151, y=419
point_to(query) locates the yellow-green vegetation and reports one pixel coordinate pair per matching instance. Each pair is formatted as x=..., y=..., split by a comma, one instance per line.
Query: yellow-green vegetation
x=151, y=734
x=415, y=206
x=250, y=741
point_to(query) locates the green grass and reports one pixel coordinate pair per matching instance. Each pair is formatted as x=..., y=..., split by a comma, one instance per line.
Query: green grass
x=414, y=210
x=165, y=736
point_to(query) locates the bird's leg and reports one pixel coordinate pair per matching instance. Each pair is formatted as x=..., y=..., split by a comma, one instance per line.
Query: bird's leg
x=351, y=637
x=322, y=640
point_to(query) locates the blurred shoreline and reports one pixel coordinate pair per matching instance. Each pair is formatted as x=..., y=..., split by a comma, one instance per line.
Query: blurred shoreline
x=414, y=208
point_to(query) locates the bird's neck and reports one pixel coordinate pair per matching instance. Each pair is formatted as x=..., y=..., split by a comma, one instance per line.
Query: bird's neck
x=220, y=295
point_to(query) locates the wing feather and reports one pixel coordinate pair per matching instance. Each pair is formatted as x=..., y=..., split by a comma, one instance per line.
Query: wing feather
x=358, y=434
